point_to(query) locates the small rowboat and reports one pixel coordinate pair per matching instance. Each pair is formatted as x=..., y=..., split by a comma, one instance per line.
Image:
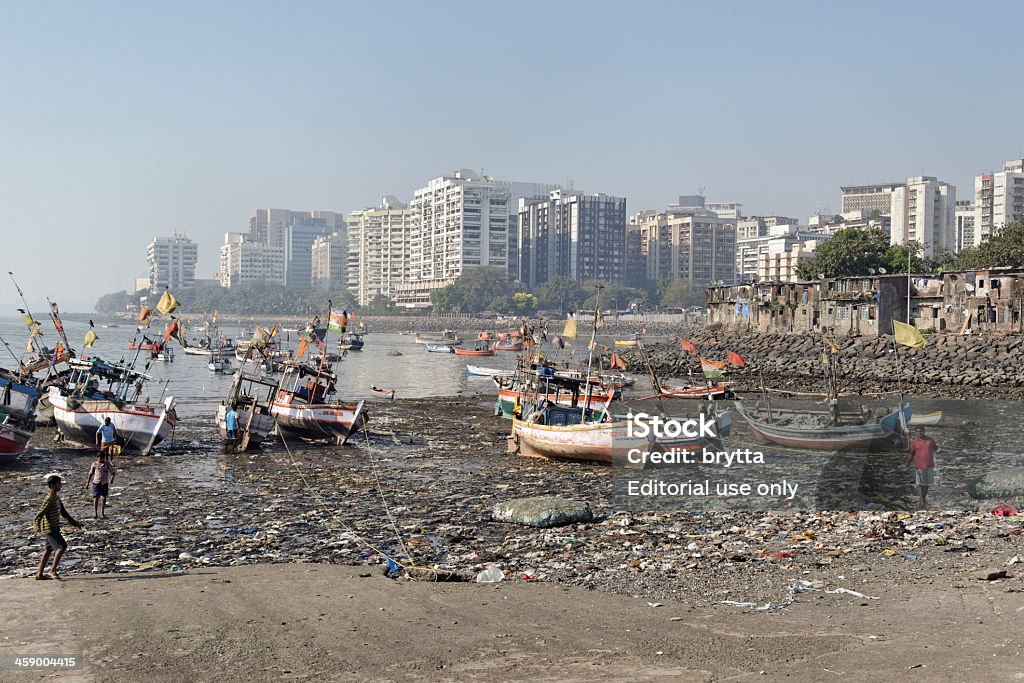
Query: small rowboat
x=478, y=371
x=626, y=342
x=508, y=346
x=474, y=352
x=383, y=393
x=440, y=349
x=931, y=418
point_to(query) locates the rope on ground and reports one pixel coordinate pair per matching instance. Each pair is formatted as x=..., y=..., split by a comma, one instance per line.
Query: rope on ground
x=414, y=572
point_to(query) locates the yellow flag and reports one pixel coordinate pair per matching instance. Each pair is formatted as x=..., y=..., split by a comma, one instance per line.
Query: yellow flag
x=90, y=338
x=570, y=328
x=908, y=335
x=167, y=303
x=145, y=314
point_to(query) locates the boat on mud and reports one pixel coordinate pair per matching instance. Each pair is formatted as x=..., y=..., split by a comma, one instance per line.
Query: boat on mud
x=252, y=395
x=305, y=406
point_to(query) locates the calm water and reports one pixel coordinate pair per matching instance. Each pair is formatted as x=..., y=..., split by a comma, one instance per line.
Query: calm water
x=414, y=374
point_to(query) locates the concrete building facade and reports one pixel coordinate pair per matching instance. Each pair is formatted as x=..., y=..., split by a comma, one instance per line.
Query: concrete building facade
x=378, y=250
x=244, y=260
x=572, y=235
x=923, y=211
x=998, y=200
x=172, y=262
x=875, y=198
x=699, y=249
x=964, y=218
x=330, y=262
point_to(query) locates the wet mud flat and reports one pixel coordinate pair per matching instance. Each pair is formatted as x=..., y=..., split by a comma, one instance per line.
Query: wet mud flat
x=430, y=471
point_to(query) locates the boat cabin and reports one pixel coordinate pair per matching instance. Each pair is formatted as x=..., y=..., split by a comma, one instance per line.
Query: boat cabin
x=307, y=383
x=87, y=376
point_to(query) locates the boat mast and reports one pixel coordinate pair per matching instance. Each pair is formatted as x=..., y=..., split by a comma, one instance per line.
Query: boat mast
x=32, y=337
x=590, y=353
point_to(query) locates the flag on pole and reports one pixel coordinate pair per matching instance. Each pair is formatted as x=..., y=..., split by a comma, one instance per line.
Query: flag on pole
x=736, y=359
x=29, y=321
x=301, y=351
x=570, y=328
x=687, y=346
x=90, y=337
x=167, y=303
x=833, y=347
x=145, y=314
x=908, y=335
x=713, y=369
x=337, y=322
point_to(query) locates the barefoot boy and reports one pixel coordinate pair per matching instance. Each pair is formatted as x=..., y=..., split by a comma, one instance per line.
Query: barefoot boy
x=101, y=476
x=47, y=522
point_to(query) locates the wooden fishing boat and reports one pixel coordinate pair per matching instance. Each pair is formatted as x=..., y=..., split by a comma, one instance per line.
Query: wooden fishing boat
x=18, y=400
x=626, y=342
x=508, y=399
x=707, y=392
x=80, y=407
x=253, y=397
x=474, y=352
x=485, y=336
x=440, y=349
x=304, y=406
x=220, y=364
x=508, y=346
x=604, y=442
x=383, y=393
x=931, y=418
x=821, y=431
x=144, y=345
x=447, y=337
x=351, y=341
x=478, y=371
x=165, y=354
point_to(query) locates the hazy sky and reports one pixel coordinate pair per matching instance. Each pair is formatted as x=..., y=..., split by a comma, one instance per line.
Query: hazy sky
x=121, y=121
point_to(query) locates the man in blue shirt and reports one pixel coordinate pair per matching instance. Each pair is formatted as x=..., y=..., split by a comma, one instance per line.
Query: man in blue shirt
x=106, y=437
x=231, y=422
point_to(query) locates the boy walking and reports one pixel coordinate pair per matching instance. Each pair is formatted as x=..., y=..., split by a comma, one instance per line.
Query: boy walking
x=47, y=522
x=101, y=476
x=106, y=437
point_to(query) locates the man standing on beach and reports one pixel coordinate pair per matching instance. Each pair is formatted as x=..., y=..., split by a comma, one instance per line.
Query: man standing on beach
x=922, y=456
x=106, y=437
x=231, y=422
x=101, y=476
x=47, y=522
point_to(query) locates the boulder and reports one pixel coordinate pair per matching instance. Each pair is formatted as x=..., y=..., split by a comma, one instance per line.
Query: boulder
x=542, y=511
x=1004, y=483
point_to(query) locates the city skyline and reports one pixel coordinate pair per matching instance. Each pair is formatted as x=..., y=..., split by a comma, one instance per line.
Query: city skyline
x=128, y=122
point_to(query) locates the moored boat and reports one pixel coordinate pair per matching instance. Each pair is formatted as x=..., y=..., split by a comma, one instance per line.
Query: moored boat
x=253, y=396
x=508, y=346
x=80, y=407
x=821, y=431
x=478, y=371
x=440, y=349
x=351, y=341
x=474, y=352
x=383, y=393
x=18, y=400
x=304, y=406
x=931, y=418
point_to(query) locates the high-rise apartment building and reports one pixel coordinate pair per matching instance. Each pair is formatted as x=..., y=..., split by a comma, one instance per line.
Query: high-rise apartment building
x=294, y=232
x=964, y=217
x=462, y=221
x=699, y=249
x=172, y=262
x=244, y=260
x=378, y=250
x=923, y=211
x=868, y=198
x=330, y=262
x=572, y=235
x=760, y=235
x=998, y=200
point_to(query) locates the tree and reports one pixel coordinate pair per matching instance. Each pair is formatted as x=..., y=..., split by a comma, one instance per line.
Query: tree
x=1005, y=249
x=560, y=294
x=116, y=302
x=613, y=296
x=851, y=251
x=897, y=255
x=680, y=294
x=380, y=304
x=473, y=291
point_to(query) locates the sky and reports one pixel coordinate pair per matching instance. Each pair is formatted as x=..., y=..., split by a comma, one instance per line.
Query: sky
x=123, y=121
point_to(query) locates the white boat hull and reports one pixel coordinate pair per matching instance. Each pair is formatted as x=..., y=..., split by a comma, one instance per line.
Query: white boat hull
x=318, y=421
x=260, y=426
x=141, y=426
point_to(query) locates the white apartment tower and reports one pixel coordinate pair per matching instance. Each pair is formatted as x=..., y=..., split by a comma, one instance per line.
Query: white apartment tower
x=998, y=200
x=330, y=262
x=244, y=260
x=466, y=220
x=378, y=250
x=923, y=211
x=964, y=217
x=172, y=262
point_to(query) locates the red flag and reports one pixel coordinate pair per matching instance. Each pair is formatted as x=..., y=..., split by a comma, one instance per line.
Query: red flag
x=687, y=346
x=736, y=359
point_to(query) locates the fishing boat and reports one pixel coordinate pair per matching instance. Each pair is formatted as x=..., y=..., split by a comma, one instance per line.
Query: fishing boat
x=542, y=384
x=447, y=337
x=440, y=349
x=508, y=346
x=144, y=345
x=822, y=431
x=478, y=351
x=220, y=364
x=18, y=399
x=932, y=418
x=705, y=392
x=478, y=371
x=305, y=407
x=80, y=405
x=253, y=396
x=485, y=336
x=634, y=340
x=351, y=341
x=383, y=393
x=560, y=433
x=165, y=354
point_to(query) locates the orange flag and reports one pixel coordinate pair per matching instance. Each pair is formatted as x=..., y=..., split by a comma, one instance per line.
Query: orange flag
x=737, y=360
x=687, y=346
x=301, y=351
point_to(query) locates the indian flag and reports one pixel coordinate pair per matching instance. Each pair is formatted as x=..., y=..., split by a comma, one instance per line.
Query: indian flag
x=713, y=369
